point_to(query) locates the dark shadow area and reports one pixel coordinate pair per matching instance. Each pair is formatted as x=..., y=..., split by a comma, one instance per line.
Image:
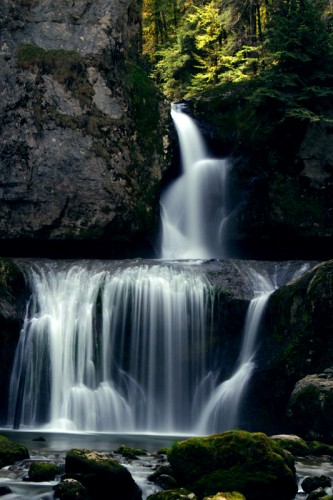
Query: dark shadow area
x=78, y=249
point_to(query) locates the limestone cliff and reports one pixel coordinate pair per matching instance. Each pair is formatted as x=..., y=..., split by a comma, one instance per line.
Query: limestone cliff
x=81, y=146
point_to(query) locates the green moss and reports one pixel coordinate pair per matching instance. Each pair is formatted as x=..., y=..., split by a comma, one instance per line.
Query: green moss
x=250, y=463
x=11, y=452
x=318, y=449
x=234, y=495
x=292, y=204
x=177, y=494
x=43, y=471
x=144, y=105
x=297, y=447
x=10, y=275
x=70, y=489
x=128, y=452
x=68, y=68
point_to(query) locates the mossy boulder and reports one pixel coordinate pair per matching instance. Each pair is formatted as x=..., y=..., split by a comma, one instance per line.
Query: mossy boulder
x=100, y=473
x=43, y=471
x=71, y=489
x=11, y=452
x=130, y=453
x=294, y=444
x=250, y=463
x=176, y=494
x=227, y=496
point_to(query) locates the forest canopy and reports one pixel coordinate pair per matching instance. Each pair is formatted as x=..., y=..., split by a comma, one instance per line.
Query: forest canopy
x=270, y=50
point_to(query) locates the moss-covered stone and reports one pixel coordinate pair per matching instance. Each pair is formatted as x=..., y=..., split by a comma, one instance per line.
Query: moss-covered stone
x=70, y=489
x=11, y=452
x=129, y=452
x=227, y=496
x=43, y=471
x=294, y=444
x=250, y=463
x=99, y=473
x=176, y=494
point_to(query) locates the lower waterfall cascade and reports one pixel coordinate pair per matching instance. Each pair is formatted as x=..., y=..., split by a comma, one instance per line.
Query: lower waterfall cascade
x=126, y=347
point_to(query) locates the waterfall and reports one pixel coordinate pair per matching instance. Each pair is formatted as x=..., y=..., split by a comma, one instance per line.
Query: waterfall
x=193, y=206
x=111, y=349
x=222, y=409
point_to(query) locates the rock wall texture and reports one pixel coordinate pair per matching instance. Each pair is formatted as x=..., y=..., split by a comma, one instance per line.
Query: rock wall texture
x=296, y=342
x=280, y=187
x=82, y=149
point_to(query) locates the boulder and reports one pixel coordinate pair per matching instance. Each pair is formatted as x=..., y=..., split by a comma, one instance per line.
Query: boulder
x=43, y=471
x=11, y=452
x=226, y=496
x=250, y=463
x=101, y=475
x=70, y=489
x=312, y=483
x=310, y=407
x=176, y=494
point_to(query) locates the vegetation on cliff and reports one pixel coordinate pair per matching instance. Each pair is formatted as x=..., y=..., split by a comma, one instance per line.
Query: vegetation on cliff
x=259, y=74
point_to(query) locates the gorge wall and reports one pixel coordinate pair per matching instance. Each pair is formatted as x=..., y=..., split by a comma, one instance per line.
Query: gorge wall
x=280, y=188
x=83, y=133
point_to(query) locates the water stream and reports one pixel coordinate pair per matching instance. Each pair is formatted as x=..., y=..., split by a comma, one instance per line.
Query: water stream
x=193, y=207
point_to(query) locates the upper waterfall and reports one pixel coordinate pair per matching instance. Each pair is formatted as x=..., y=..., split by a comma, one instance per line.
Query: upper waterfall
x=193, y=206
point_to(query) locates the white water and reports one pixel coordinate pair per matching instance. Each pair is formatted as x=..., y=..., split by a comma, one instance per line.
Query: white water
x=111, y=350
x=222, y=410
x=193, y=207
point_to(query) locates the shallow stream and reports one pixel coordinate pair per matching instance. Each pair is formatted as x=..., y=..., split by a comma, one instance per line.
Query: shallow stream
x=55, y=445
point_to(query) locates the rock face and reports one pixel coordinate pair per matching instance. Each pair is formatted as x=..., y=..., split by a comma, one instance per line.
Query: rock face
x=280, y=186
x=13, y=297
x=82, y=149
x=296, y=342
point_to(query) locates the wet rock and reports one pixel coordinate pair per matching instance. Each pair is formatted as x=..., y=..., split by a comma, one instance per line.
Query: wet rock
x=101, y=474
x=11, y=452
x=250, y=463
x=43, y=471
x=176, y=494
x=310, y=406
x=70, y=489
x=312, y=483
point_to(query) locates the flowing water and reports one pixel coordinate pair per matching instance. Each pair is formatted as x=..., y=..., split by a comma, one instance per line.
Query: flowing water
x=193, y=207
x=111, y=349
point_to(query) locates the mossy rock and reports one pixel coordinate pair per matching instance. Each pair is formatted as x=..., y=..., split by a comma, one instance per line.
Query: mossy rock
x=177, y=494
x=294, y=444
x=43, y=471
x=227, y=496
x=250, y=463
x=11, y=452
x=70, y=489
x=317, y=448
x=131, y=453
x=99, y=473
